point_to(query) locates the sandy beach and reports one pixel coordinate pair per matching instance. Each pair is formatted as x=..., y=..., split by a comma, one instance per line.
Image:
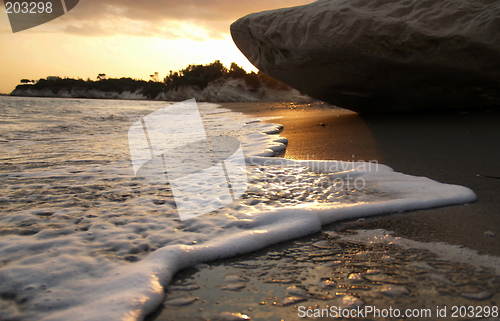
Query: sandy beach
x=260, y=160
x=457, y=147
x=272, y=284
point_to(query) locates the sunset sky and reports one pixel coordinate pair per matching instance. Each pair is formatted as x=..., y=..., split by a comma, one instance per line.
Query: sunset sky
x=126, y=38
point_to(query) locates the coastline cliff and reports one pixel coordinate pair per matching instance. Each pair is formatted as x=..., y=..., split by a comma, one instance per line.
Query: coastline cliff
x=218, y=91
x=208, y=83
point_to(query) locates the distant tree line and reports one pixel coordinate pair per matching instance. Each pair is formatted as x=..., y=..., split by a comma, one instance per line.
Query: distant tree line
x=193, y=75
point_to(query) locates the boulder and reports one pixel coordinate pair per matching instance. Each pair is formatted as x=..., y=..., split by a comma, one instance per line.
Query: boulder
x=381, y=55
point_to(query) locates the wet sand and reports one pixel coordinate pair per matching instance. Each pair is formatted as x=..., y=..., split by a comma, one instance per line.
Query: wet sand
x=324, y=270
x=455, y=147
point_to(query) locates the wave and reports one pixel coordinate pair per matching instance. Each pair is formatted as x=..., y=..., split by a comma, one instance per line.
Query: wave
x=87, y=240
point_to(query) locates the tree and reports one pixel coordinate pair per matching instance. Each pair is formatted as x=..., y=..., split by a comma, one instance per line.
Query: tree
x=155, y=77
x=27, y=81
x=252, y=80
x=172, y=79
x=236, y=71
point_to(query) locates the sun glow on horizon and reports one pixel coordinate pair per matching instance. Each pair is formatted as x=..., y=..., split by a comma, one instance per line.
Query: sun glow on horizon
x=118, y=56
x=135, y=41
x=212, y=49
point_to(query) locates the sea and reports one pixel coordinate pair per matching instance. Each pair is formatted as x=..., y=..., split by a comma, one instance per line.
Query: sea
x=82, y=237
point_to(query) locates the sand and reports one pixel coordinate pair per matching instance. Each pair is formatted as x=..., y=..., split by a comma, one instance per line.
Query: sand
x=458, y=147
x=454, y=147
x=322, y=271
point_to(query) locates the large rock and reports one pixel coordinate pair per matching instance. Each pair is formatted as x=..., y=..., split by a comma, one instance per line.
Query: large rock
x=381, y=55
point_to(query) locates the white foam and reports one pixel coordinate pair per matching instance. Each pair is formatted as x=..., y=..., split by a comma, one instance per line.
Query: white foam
x=448, y=252
x=73, y=224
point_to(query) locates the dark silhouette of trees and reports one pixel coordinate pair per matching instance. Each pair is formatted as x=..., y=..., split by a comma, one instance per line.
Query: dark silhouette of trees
x=194, y=75
x=252, y=80
x=236, y=71
x=155, y=77
x=27, y=81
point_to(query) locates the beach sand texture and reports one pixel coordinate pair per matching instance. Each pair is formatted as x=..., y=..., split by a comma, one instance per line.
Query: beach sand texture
x=332, y=269
x=451, y=147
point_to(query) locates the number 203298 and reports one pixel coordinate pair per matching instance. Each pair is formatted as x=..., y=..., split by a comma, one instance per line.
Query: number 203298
x=28, y=7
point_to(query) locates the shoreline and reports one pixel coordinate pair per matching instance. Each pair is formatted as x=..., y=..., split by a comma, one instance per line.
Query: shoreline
x=271, y=283
x=443, y=146
x=332, y=252
x=323, y=270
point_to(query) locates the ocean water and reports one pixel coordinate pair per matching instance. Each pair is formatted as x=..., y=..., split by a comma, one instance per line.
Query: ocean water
x=81, y=238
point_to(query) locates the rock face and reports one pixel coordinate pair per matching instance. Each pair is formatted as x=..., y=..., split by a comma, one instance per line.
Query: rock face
x=381, y=55
x=217, y=91
x=77, y=93
x=233, y=90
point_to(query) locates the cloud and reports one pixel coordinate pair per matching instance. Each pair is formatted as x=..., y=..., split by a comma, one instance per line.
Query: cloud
x=158, y=10
x=86, y=30
x=165, y=18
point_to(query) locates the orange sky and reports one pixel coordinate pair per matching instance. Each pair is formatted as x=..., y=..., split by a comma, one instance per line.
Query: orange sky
x=126, y=38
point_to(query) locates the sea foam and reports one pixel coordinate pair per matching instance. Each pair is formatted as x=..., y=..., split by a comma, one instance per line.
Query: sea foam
x=83, y=239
